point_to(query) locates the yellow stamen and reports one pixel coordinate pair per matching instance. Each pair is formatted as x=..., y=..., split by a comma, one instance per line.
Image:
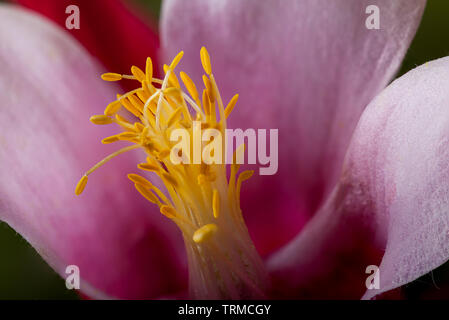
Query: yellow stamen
x=111, y=76
x=199, y=198
x=146, y=193
x=176, y=60
x=149, y=70
x=148, y=167
x=205, y=60
x=189, y=85
x=81, y=185
x=112, y=108
x=205, y=233
x=169, y=212
x=137, y=73
x=110, y=139
x=139, y=180
x=231, y=105
x=101, y=120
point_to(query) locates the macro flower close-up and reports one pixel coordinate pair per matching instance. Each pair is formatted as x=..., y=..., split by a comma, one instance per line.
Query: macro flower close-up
x=226, y=149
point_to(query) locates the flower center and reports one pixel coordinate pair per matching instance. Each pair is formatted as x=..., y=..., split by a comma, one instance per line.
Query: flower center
x=202, y=199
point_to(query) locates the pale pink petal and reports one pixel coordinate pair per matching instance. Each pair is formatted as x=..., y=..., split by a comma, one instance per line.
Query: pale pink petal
x=307, y=67
x=391, y=206
x=49, y=87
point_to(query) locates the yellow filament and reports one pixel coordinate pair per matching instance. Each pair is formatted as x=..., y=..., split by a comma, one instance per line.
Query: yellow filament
x=205, y=232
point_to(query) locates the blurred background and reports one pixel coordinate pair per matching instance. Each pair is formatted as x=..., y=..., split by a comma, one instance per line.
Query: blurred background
x=23, y=273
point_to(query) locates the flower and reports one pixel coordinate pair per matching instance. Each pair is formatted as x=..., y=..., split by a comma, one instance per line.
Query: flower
x=360, y=186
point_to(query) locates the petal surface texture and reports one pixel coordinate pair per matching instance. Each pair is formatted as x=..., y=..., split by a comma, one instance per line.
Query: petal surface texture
x=391, y=206
x=305, y=67
x=49, y=88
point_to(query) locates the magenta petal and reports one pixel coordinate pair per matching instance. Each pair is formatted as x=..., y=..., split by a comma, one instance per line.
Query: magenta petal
x=49, y=87
x=392, y=199
x=307, y=67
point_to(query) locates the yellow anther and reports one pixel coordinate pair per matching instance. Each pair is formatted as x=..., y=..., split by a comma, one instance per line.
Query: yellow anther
x=140, y=76
x=101, y=119
x=189, y=85
x=127, y=135
x=170, y=179
x=81, y=185
x=168, y=211
x=216, y=204
x=231, y=105
x=110, y=139
x=112, y=108
x=146, y=193
x=176, y=60
x=140, y=180
x=205, y=60
x=147, y=167
x=130, y=107
x=149, y=70
x=209, y=88
x=110, y=76
x=205, y=232
x=136, y=102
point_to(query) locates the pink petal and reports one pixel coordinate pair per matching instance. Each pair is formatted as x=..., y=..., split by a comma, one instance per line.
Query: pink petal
x=49, y=87
x=131, y=36
x=307, y=67
x=391, y=206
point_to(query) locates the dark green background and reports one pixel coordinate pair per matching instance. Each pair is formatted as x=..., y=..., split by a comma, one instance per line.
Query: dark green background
x=24, y=275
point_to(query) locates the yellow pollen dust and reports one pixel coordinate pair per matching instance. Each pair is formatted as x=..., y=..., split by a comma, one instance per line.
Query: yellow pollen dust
x=196, y=197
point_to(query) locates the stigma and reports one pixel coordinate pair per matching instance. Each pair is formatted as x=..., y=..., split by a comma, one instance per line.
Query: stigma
x=203, y=200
